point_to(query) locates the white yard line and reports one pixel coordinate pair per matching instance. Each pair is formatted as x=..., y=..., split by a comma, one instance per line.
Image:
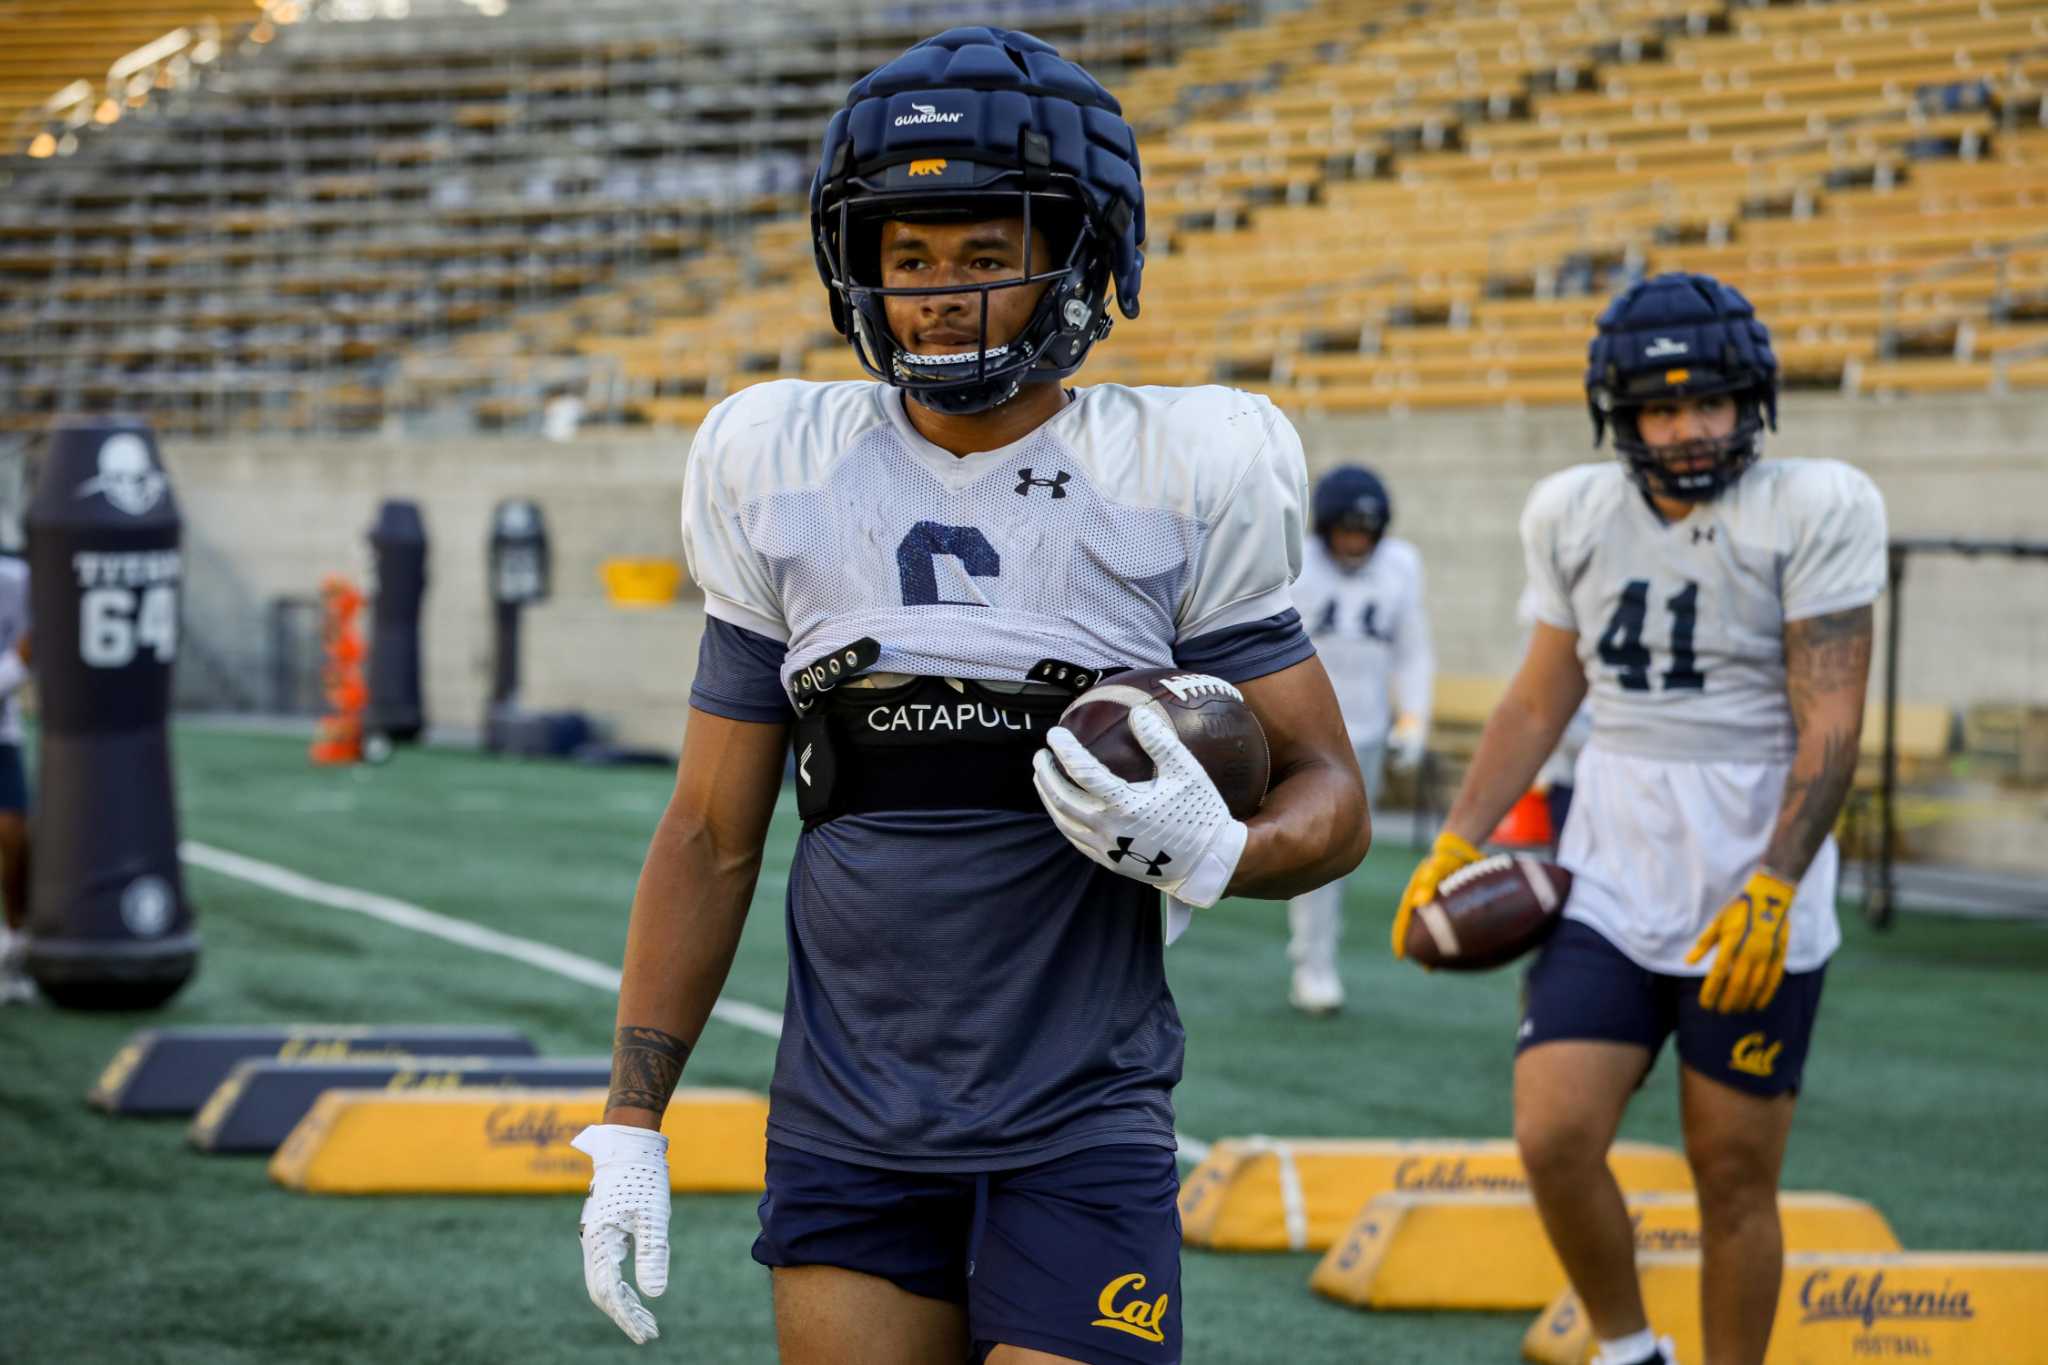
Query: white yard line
x=467, y=934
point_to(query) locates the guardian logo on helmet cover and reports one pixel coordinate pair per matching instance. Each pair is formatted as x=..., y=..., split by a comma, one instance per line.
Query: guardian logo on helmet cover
x=926, y=113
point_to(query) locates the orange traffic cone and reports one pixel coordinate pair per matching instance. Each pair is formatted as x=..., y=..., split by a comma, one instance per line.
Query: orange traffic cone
x=340, y=736
x=1527, y=823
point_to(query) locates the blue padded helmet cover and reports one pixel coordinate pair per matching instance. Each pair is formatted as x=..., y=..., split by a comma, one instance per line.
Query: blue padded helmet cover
x=995, y=101
x=1350, y=492
x=1678, y=335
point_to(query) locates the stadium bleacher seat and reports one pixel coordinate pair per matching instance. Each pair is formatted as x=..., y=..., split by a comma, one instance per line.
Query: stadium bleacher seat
x=1357, y=205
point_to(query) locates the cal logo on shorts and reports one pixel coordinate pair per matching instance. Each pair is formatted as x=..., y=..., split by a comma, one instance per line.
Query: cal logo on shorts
x=1752, y=1056
x=1136, y=1316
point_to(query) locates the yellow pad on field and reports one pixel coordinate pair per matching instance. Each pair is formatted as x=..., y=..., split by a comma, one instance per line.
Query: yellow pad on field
x=1488, y=1251
x=509, y=1141
x=1836, y=1308
x=1299, y=1194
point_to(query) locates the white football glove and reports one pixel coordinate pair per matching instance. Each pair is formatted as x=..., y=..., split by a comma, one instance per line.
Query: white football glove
x=1173, y=832
x=1406, y=742
x=628, y=1200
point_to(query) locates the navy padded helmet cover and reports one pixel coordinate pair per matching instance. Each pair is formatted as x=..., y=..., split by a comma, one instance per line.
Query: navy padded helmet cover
x=1342, y=489
x=1000, y=84
x=1679, y=321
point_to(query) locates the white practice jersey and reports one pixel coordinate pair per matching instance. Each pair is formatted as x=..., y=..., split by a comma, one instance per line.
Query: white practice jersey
x=14, y=623
x=1372, y=634
x=1133, y=519
x=966, y=991
x=1680, y=627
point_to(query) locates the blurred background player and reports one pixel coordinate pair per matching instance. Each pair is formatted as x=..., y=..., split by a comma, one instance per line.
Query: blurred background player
x=1720, y=608
x=15, y=985
x=1360, y=594
x=971, y=1142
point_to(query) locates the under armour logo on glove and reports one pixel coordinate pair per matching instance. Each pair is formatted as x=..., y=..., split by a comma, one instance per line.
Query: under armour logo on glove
x=1152, y=865
x=1057, y=483
x=1177, y=811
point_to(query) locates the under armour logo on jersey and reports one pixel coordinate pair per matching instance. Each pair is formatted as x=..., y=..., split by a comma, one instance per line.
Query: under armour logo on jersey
x=1057, y=483
x=1152, y=865
x=1700, y=533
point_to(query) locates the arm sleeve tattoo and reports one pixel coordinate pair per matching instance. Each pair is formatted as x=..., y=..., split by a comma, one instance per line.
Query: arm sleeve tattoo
x=646, y=1064
x=1827, y=667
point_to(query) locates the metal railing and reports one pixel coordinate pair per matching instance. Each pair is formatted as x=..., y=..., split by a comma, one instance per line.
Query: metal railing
x=1996, y=257
x=2016, y=79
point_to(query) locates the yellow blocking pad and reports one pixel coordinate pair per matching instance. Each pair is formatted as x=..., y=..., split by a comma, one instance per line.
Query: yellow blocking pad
x=510, y=1141
x=1299, y=1194
x=1488, y=1251
x=1835, y=1308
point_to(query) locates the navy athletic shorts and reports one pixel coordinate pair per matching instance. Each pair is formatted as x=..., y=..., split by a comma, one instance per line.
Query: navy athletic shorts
x=1079, y=1256
x=13, y=780
x=1582, y=986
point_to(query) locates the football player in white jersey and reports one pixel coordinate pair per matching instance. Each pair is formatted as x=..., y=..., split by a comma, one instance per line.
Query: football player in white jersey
x=1718, y=606
x=1360, y=595
x=970, y=1133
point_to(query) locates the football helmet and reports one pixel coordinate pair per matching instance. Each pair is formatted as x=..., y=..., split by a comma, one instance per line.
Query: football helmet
x=1350, y=495
x=981, y=123
x=1682, y=335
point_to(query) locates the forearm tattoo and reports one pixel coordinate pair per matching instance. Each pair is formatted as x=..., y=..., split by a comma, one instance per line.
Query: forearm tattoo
x=1828, y=654
x=1827, y=666
x=646, y=1064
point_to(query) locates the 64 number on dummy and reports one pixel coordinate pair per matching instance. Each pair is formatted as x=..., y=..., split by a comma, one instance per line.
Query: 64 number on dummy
x=115, y=623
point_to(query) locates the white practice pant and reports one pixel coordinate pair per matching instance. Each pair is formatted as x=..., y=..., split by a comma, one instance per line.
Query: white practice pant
x=1315, y=919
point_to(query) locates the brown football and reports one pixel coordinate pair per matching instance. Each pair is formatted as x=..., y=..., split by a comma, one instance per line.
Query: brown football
x=1489, y=913
x=1207, y=713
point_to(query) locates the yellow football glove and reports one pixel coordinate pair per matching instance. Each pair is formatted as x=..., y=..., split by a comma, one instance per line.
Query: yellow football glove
x=1447, y=855
x=1750, y=933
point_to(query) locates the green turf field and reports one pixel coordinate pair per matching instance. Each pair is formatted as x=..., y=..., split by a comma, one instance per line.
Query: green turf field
x=1926, y=1091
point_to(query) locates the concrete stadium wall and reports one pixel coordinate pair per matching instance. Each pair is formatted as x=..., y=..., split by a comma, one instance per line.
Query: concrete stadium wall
x=269, y=518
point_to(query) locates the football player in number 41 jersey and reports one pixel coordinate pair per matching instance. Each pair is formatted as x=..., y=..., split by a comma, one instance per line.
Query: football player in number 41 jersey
x=1718, y=608
x=970, y=1132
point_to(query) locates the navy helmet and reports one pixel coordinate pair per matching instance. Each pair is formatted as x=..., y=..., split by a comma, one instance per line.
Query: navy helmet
x=1350, y=496
x=1673, y=336
x=981, y=123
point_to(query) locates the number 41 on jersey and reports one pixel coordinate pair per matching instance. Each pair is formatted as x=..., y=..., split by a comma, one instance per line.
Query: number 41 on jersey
x=1622, y=647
